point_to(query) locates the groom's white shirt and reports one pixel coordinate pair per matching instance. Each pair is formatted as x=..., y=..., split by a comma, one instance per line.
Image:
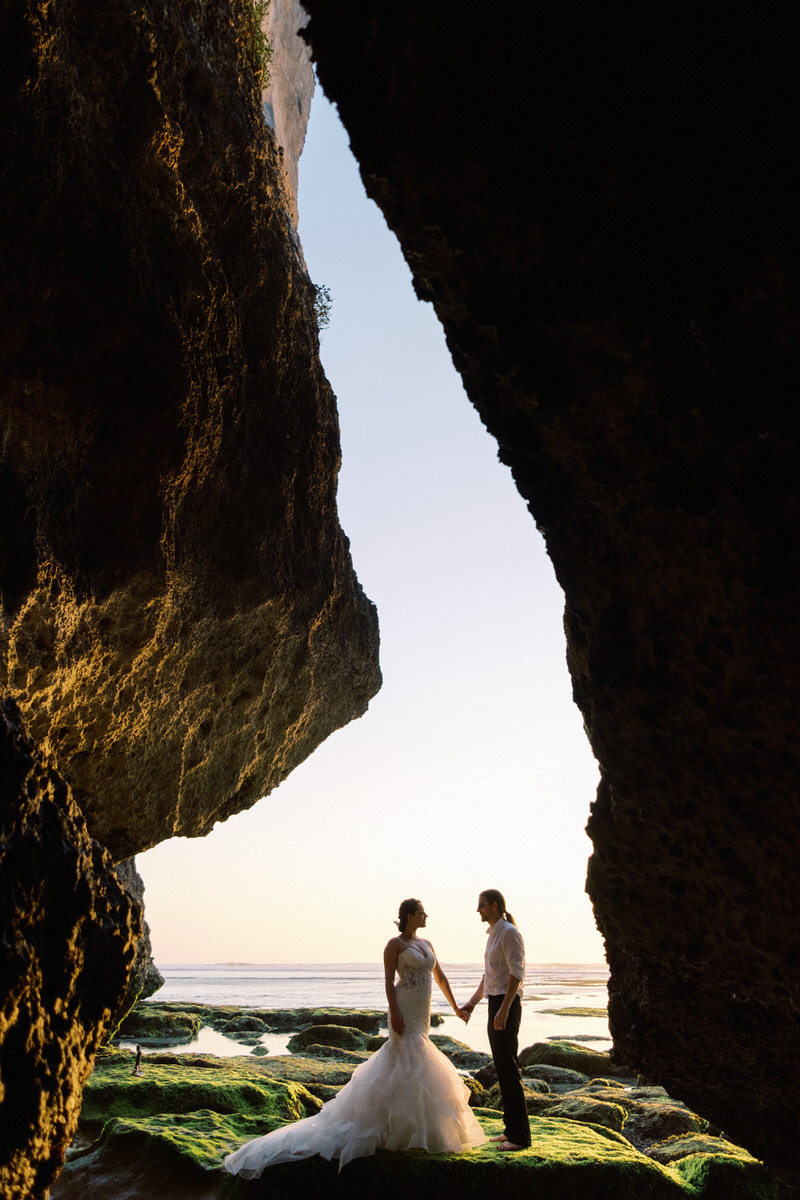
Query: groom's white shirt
x=504, y=956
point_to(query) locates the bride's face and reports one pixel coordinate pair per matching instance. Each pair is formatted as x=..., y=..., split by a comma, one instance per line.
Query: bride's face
x=419, y=918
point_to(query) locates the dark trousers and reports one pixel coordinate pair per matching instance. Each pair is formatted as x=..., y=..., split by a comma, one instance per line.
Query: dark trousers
x=504, y=1043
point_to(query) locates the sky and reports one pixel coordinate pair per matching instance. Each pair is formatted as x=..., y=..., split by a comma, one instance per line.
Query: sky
x=471, y=768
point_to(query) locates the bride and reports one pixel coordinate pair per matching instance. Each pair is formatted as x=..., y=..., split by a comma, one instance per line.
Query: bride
x=406, y=1096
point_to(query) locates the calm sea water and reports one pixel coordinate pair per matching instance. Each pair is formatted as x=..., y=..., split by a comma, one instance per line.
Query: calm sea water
x=360, y=985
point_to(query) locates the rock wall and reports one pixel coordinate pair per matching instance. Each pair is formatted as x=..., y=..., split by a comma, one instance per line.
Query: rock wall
x=181, y=623
x=600, y=208
x=290, y=88
x=145, y=979
x=69, y=935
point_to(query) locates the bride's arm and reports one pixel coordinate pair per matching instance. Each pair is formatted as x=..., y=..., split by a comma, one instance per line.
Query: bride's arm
x=473, y=1000
x=444, y=984
x=390, y=956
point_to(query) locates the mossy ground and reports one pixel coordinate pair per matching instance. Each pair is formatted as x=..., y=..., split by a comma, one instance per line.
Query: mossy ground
x=165, y=1135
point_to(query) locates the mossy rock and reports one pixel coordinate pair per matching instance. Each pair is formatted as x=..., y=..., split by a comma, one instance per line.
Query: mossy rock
x=653, y=1122
x=576, y=1012
x=613, y=1095
x=311, y=1072
x=460, y=1054
x=728, y=1177
x=683, y=1144
x=375, y=1043
x=572, y=1056
x=477, y=1092
x=181, y=1158
x=338, y=1055
x=147, y=1023
x=229, y=1087
x=343, y=1036
x=536, y=1103
x=558, y=1079
x=367, y=1020
x=245, y=1023
x=487, y=1076
x=588, y=1108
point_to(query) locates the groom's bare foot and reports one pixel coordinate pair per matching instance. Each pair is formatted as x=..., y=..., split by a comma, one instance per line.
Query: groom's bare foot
x=501, y=1137
x=509, y=1146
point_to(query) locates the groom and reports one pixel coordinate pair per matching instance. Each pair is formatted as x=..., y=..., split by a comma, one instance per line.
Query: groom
x=504, y=972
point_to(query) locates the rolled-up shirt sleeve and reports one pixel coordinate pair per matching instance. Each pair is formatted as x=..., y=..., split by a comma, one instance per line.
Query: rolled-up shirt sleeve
x=514, y=949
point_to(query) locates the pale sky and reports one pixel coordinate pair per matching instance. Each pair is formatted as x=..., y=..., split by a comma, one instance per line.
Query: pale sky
x=471, y=768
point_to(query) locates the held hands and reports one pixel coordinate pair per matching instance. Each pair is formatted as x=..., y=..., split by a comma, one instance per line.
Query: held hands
x=465, y=1013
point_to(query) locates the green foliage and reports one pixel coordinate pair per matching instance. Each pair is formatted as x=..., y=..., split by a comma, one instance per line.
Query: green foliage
x=322, y=305
x=258, y=43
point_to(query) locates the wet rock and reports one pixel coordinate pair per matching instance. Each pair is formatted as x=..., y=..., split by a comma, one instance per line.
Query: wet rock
x=570, y=1056
x=559, y=1079
x=145, y=1024
x=329, y=1035
x=461, y=1056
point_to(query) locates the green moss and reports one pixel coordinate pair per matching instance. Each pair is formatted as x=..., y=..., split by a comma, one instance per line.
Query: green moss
x=577, y=1012
x=158, y=1023
x=727, y=1177
x=178, y=1152
x=342, y=1036
x=569, y=1055
x=225, y=1087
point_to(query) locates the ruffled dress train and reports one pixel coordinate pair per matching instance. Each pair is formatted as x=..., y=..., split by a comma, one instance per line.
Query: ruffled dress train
x=407, y=1096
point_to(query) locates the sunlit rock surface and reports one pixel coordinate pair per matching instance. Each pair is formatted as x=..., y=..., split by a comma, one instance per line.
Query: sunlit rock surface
x=68, y=940
x=181, y=621
x=599, y=207
x=287, y=96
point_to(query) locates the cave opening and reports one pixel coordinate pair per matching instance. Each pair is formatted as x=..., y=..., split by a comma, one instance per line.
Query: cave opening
x=474, y=732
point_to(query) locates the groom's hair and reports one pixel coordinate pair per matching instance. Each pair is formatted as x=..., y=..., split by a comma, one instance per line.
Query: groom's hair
x=495, y=897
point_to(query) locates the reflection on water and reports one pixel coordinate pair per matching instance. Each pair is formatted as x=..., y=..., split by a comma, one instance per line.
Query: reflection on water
x=360, y=985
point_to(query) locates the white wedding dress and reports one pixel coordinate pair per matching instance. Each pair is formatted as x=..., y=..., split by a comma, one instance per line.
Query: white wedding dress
x=407, y=1096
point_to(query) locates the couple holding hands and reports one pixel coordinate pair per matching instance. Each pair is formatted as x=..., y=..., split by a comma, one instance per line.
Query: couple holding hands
x=408, y=1095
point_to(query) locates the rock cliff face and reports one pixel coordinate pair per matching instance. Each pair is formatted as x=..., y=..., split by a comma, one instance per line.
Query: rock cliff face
x=69, y=935
x=181, y=620
x=600, y=211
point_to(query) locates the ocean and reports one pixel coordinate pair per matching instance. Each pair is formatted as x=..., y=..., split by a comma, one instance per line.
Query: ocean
x=548, y=986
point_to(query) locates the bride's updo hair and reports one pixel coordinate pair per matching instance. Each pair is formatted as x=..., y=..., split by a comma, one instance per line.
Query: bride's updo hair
x=495, y=897
x=406, y=909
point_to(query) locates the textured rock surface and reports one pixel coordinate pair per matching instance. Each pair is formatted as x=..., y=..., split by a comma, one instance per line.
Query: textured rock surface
x=181, y=621
x=601, y=211
x=145, y=978
x=68, y=941
x=287, y=97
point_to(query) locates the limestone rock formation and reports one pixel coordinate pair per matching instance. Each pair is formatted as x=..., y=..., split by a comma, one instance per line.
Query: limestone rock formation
x=600, y=207
x=289, y=91
x=181, y=623
x=145, y=978
x=68, y=940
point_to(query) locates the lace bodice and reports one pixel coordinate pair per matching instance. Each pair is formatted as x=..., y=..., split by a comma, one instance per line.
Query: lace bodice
x=413, y=990
x=415, y=964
